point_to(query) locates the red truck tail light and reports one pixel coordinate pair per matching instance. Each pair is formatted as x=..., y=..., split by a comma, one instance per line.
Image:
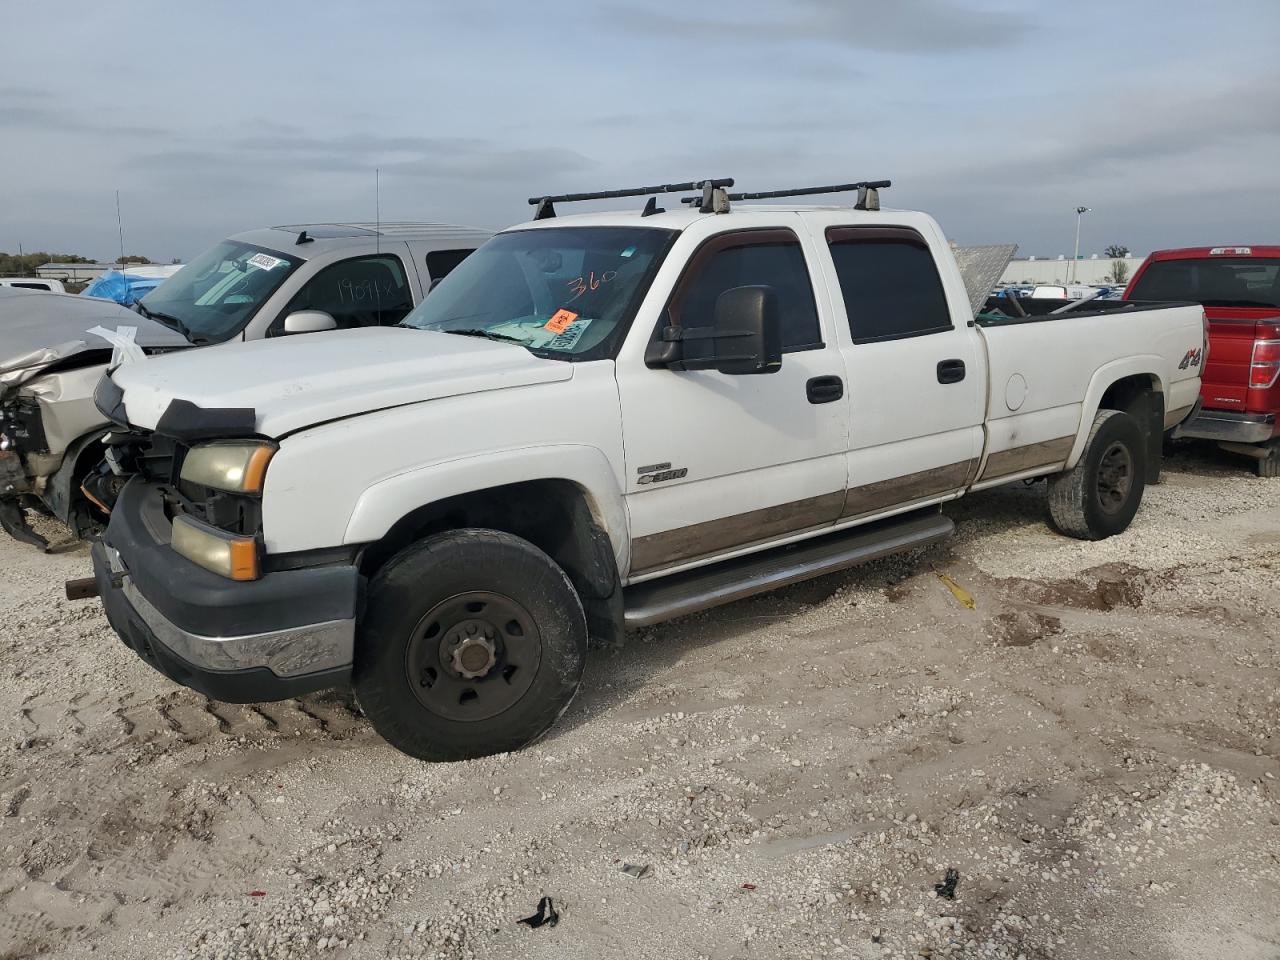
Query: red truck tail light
x=1264, y=368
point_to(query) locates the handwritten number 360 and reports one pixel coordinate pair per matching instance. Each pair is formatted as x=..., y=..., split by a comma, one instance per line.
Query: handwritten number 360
x=580, y=285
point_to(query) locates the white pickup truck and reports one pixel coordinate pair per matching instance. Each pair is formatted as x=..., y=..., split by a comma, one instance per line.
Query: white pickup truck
x=597, y=422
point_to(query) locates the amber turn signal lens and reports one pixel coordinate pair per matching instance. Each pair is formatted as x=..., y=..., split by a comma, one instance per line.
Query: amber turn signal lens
x=230, y=556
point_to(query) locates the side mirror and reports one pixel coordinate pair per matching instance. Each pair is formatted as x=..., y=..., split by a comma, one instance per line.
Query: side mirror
x=309, y=321
x=435, y=282
x=748, y=331
x=745, y=336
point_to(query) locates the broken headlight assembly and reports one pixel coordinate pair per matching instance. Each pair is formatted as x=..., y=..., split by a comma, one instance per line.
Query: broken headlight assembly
x=222, y=481
x=230, y=467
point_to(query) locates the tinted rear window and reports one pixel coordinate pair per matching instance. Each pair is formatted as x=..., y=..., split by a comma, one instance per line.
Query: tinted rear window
x=1214, y=282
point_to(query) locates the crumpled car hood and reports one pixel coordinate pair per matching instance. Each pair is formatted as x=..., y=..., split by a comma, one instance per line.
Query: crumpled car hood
x=295, y=382
x=39, y=329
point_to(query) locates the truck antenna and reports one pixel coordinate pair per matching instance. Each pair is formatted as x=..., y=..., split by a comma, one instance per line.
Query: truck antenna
x=120, y=229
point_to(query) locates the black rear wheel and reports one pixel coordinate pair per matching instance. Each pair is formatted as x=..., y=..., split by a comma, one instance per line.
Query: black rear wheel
x=473, y=643
x=1269, y=466
x=1099, y=496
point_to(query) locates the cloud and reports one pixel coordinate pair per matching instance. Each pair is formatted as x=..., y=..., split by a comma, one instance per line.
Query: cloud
x=889, y=26
x=37, y=119
x=432, y=158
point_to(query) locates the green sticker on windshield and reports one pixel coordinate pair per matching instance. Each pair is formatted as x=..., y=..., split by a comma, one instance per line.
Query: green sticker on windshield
x=628, y=252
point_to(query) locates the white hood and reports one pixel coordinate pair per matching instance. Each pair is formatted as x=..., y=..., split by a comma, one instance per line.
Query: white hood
x=294, y=382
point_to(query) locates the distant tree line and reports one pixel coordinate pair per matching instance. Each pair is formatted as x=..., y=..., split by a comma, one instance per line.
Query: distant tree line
x=20, y=265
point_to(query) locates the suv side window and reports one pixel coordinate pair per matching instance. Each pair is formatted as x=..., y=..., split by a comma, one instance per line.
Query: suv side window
x=361, y=292
x=440, y=262
x=889, y=282
x=751, y=257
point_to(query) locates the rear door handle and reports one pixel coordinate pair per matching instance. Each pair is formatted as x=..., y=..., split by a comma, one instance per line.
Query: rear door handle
x=824, y=389
x=950, y=371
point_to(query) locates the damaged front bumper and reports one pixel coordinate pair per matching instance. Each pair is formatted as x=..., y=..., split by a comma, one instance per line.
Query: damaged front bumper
x=288, y=633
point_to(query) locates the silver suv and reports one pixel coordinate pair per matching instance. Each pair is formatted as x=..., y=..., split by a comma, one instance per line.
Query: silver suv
x=264, y=283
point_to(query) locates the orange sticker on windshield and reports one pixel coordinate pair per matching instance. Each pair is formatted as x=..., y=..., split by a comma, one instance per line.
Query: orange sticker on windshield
x=560, y=320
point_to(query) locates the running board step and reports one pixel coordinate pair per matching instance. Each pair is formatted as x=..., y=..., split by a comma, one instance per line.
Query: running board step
x=679, y=594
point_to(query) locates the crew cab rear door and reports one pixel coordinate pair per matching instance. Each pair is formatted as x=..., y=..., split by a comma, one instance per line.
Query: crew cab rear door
x=917, y=375
x=718, y=463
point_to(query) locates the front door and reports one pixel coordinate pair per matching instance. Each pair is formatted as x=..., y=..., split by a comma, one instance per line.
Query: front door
x=717, y=463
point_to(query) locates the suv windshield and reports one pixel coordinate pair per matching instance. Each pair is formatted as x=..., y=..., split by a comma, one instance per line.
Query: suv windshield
x=563, y=292
x=1214, y=282
x=213, y=297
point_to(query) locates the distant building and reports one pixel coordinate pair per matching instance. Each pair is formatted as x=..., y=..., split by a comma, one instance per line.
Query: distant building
x=1094, y=270
x=74, y=272
x=87, y=272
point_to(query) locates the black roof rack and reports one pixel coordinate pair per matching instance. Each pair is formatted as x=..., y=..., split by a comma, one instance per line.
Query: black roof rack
x=713, y=199
x=868, y=193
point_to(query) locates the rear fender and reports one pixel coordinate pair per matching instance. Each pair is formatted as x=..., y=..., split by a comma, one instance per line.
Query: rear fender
x=1142, y=365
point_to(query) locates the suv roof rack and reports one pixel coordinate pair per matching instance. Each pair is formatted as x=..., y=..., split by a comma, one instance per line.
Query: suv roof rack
x=868, y=193
x=714, y=199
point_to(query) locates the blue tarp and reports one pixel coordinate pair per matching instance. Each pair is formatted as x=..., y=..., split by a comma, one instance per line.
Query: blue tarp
x=122, y=287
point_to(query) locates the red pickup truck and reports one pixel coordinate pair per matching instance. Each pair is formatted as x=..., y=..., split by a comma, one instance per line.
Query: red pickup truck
x=1240, y=379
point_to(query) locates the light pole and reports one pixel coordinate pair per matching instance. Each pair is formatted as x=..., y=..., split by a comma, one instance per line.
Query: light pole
x=1080, y=212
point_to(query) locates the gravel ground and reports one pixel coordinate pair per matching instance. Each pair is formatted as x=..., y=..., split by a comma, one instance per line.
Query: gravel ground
x=1092, y=748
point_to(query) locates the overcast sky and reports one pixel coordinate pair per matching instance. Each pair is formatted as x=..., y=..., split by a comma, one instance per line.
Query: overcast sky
x=998, y=117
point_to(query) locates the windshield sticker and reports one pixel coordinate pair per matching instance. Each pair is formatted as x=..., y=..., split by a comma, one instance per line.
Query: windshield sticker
x=630, y=251
x=569, y=337
x=264, y=261
x=560, y=320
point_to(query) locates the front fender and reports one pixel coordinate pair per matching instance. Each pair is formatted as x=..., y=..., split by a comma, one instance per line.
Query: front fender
x=385, y=502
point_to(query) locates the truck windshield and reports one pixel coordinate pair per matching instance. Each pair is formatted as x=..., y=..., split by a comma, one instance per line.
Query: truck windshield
x=1214, y=282
x=564, y=292
x=213, y=297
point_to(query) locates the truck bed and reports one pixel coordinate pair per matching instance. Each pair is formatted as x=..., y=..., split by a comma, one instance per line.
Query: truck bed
x=1046, y=369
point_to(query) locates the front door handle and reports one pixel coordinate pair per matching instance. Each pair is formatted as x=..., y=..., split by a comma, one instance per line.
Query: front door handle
x=950, y=371
x=824, y=389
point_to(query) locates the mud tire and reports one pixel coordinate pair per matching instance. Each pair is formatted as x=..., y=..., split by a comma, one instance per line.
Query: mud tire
x=1079, y=506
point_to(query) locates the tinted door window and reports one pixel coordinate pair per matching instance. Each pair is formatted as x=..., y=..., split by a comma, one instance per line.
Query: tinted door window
x=363, y=292
x=889, y=282
x=441, y=262
x=775, y=263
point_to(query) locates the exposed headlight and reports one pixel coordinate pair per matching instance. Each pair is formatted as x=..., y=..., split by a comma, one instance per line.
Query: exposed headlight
x=234, y=467
x=234, y=557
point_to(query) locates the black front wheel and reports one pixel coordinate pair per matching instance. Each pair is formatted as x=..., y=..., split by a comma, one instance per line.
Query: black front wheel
x=474, y=642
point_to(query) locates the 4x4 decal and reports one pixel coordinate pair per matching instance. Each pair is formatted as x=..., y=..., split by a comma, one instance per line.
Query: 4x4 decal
x=1192, y=359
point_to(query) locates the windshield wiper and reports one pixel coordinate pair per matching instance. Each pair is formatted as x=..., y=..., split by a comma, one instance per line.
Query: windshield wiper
x=170, y=321
x=486, y=334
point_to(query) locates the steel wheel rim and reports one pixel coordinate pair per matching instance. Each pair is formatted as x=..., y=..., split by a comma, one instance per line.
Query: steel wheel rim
x=473, y=655
x=1115, y=478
